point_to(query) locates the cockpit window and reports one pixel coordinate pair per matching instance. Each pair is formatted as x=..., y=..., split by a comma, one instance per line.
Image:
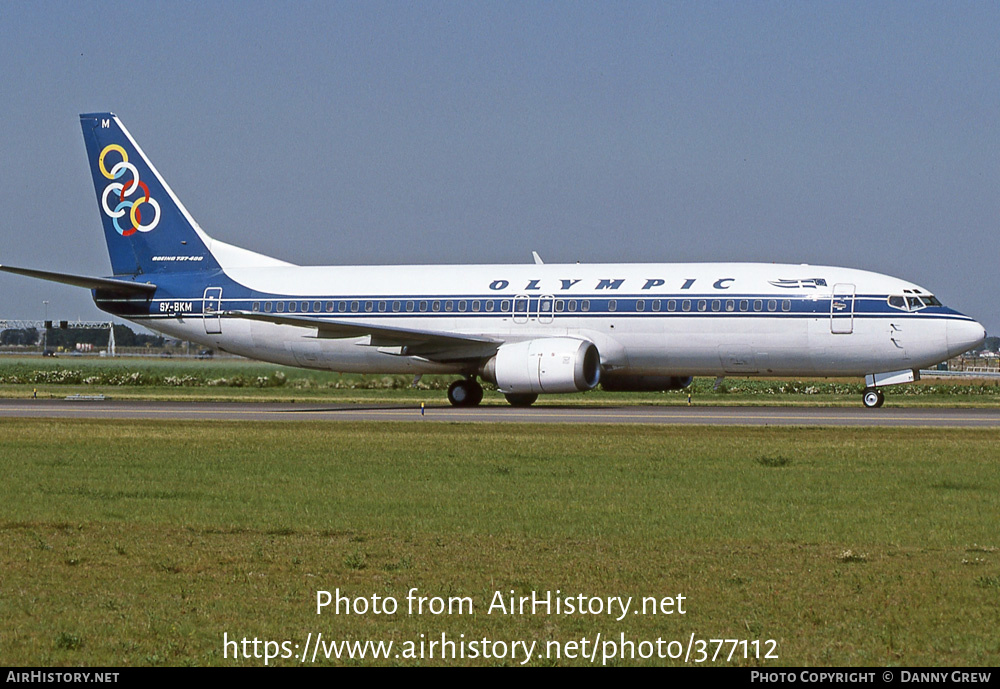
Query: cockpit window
x=912, y=302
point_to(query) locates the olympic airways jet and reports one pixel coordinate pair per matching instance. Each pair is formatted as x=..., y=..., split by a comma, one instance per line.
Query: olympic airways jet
x=529, y=329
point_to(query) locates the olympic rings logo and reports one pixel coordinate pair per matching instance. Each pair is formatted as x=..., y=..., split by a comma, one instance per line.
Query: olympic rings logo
x=125, y=189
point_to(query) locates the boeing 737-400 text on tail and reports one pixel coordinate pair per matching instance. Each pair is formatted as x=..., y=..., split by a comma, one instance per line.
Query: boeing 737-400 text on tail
x=529, y=329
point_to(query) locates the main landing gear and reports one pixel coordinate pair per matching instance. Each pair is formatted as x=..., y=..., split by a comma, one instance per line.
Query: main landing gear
x=465, y=393
x=873, y=398
x=468, y=393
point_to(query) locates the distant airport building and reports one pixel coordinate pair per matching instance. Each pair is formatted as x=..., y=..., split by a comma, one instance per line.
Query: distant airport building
x=976, y=362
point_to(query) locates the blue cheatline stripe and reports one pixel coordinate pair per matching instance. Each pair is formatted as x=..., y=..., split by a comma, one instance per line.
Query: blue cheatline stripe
x=529, y=308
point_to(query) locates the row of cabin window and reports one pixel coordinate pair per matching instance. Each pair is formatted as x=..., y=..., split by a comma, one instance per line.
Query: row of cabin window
x=705, y=304
x=463, y=306
x=520, y=305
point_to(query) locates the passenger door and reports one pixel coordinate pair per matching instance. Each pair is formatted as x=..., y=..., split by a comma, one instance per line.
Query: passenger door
x=211, y=306
x=842, y=309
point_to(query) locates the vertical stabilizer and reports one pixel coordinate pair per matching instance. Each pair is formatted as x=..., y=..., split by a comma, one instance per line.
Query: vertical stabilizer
x=147, y=228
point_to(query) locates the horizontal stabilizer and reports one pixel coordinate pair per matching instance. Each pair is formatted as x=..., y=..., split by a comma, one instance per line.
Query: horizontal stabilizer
x=124, y=286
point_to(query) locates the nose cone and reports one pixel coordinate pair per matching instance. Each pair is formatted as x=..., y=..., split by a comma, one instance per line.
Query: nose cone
x=964, y=335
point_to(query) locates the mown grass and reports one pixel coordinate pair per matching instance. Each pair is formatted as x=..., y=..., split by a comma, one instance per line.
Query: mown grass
x=243, y=380
x=141, y=543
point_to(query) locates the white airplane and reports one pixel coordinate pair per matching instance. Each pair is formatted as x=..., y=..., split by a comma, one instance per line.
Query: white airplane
x=529, y=329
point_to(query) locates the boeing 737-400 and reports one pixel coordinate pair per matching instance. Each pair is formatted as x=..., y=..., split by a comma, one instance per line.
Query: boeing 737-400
x=528, y=329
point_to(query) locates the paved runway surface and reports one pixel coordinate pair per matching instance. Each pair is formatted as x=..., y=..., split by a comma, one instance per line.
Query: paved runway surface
x=695, y=415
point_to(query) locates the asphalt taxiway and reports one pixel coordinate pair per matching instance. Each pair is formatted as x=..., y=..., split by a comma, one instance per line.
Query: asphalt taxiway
x=693, y=415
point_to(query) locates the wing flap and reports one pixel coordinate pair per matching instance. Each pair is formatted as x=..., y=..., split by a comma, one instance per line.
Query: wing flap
x=426, y=343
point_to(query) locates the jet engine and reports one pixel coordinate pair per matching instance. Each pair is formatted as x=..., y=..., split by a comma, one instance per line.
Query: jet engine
x=547, y=365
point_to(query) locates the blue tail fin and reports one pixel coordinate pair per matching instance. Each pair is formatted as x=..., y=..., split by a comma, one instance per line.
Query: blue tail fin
x=147, y=228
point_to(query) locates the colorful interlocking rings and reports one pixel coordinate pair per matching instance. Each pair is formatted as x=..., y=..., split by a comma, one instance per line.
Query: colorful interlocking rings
x=123, y=190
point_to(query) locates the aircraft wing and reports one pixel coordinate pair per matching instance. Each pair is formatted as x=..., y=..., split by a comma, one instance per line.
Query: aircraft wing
x=111, y=284
x=426, y=343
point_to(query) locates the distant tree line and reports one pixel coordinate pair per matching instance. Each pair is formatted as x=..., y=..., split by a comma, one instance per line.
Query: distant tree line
x=992, y=344
x=23, y=337
x=68, y=338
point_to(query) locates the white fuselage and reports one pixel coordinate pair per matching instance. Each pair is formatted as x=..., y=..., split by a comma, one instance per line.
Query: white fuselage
x=645, y=319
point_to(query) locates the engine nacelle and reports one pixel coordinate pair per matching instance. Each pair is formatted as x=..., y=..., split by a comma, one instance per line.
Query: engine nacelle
x=635, y=383
x=547, y=365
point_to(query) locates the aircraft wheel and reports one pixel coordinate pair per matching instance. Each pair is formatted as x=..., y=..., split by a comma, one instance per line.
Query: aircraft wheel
x=477, y=393
x=465, y=393
x=521, y=399
x=873, y=398
x=459, y=393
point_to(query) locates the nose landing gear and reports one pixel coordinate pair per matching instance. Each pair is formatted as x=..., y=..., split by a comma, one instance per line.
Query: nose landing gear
x=873, y=398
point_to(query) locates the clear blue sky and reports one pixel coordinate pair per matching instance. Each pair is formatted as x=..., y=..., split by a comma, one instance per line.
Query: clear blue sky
x=856, y=134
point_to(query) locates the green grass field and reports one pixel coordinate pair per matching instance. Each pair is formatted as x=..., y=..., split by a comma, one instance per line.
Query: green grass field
x=243, y=380
x=143, y=543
